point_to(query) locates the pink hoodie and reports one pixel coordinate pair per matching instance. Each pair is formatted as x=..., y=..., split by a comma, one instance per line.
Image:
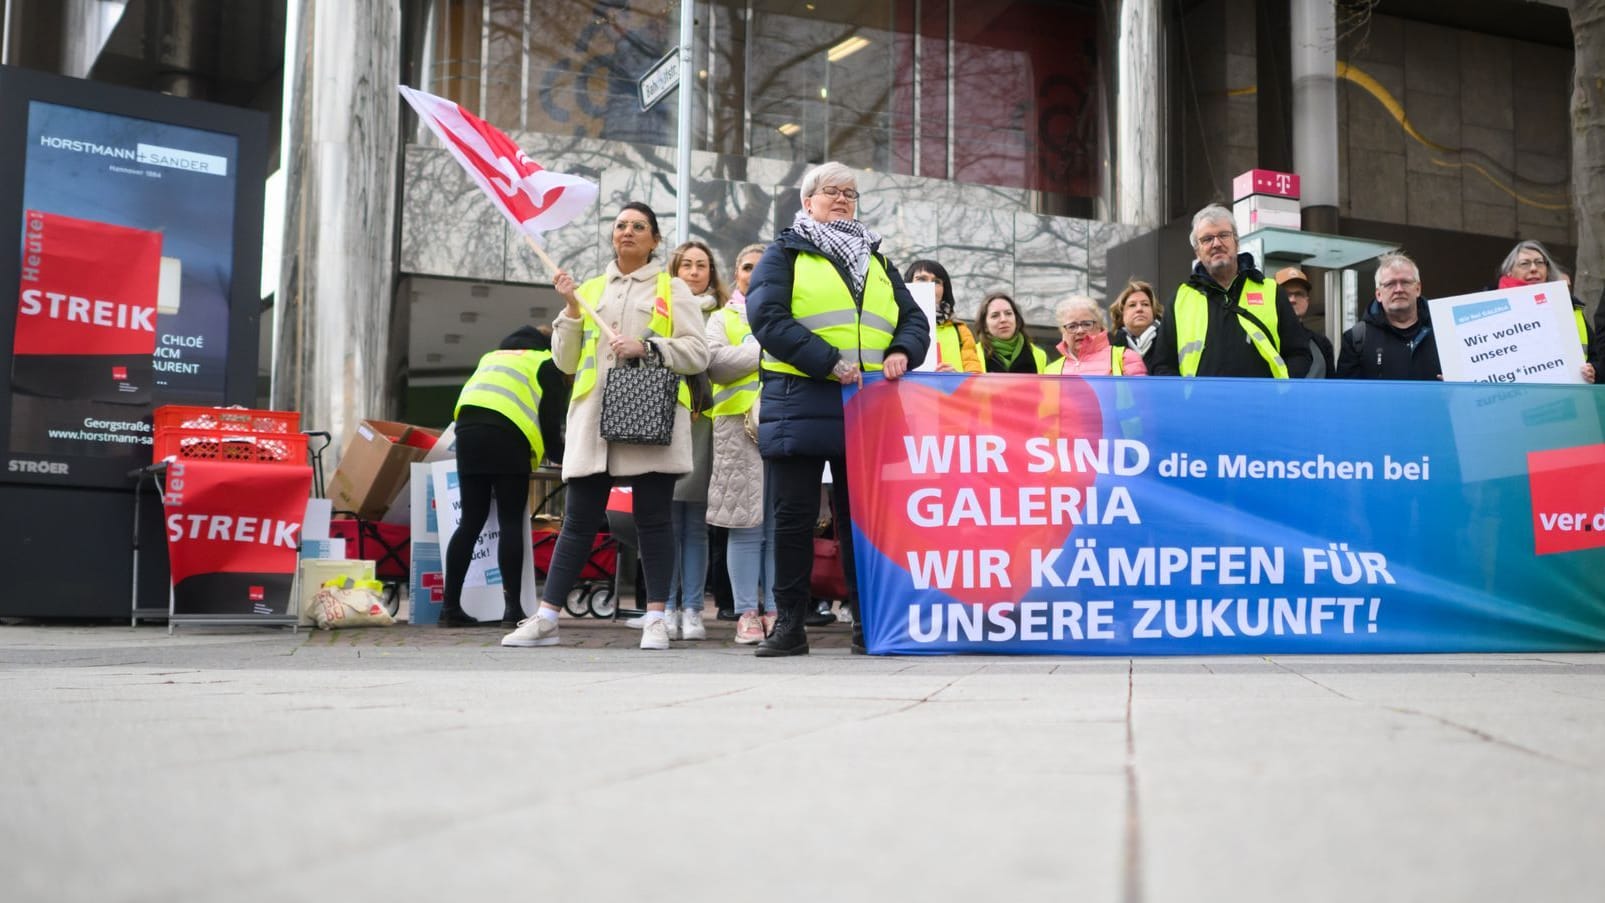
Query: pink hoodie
x=1092, y=358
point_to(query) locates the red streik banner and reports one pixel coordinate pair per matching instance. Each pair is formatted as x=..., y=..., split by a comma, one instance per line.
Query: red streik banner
x=87, y=288
x=233, y=530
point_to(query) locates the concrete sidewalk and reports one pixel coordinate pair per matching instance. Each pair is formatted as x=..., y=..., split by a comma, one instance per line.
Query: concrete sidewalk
x=423, y=764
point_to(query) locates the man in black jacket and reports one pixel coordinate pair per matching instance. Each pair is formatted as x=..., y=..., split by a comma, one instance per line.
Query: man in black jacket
x=1228, y=319
x=1394, y=339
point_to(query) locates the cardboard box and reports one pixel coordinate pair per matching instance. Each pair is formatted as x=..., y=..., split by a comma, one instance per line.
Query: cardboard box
x=1265, y=181
x=374, y=466
x=1262, y=211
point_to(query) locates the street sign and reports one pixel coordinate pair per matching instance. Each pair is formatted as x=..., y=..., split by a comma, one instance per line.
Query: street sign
x=660, y=80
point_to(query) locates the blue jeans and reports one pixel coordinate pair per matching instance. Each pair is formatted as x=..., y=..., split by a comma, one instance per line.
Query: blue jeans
x=750, y=558
x=691, y=555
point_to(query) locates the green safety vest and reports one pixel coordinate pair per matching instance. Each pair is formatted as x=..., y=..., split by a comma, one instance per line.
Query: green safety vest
x=660, y=326
x=739, y=396
x=506, y=382
x=1191, y=310
x=1117, y=362
x=821, y=302
x=1582, y=326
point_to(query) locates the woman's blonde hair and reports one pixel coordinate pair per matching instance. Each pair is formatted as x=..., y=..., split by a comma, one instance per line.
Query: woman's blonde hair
x=1075, y=302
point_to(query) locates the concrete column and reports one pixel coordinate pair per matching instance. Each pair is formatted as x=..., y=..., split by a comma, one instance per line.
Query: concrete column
x=1315, y=120
x=1139, y=159
x=333, y=360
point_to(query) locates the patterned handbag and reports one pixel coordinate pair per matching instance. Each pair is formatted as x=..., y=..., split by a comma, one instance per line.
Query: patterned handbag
x=638, y=401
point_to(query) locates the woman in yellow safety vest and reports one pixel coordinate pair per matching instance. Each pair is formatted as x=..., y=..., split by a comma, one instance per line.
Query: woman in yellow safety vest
x=953, y=342
x=507, y=410
x=1086, y=347
x=736, y=492
x=647, y=312
x=693, y=263
x=827, y=308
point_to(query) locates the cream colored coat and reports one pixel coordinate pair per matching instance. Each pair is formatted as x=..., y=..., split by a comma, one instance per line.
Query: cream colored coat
x=626, y=305
x=735, y=494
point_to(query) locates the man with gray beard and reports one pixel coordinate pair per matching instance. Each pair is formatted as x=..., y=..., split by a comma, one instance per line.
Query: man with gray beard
x=1228, y=319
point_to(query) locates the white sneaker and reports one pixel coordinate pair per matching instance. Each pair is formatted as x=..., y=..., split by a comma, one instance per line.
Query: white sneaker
x=655, y=634
x=691, y=626
x=534, y=631
x=671, y=623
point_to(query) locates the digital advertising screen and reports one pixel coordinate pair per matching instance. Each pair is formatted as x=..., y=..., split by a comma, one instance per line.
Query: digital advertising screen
x=133, y=262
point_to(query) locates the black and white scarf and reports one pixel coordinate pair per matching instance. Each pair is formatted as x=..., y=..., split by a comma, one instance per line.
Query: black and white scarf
x=845, y=241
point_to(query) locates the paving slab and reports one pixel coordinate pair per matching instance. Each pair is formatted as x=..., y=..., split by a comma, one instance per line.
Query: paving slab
x=424, y=764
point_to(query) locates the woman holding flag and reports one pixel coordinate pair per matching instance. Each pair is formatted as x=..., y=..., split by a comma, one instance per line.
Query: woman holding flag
x=633, y=310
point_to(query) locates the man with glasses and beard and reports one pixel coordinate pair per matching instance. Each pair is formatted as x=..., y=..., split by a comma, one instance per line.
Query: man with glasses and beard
x=1394, y=338
x=1228, y=319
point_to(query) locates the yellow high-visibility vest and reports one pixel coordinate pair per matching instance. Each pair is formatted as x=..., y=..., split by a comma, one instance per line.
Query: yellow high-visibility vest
x=822, y=303
x=1191, y=310
x=739, y=396
x=507, y=382
x=660, y=326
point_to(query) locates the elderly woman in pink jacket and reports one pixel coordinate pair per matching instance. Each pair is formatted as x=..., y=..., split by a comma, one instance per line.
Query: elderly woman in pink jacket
x=1085, y=345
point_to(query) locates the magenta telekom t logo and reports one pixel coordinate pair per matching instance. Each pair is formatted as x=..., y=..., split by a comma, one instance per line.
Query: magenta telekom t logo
x=1284, y=183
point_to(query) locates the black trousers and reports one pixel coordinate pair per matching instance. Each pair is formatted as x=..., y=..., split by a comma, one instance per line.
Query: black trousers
x=511, y=492
x=584, y=512
x=794, y=481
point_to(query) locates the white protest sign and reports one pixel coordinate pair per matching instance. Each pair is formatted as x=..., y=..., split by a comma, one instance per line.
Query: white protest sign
x=1520, y=334
x=925, y=296
x=482, y=585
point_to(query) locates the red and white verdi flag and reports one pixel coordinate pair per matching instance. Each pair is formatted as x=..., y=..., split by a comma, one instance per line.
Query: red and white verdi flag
x=535, y=200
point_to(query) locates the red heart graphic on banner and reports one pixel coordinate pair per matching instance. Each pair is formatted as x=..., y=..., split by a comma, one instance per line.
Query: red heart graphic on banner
x=995, y=494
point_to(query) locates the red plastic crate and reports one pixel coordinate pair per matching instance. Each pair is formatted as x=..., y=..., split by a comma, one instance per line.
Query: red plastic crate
x=233, y=420
x=231, y=445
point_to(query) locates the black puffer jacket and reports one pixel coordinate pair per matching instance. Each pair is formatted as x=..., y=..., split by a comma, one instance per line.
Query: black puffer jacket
x=802, y=415
x=1376, y=349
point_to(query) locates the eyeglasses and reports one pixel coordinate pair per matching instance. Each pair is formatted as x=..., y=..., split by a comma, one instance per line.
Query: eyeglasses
x=1536, y=263
x=629, y=227
x=831, y=191
x=1078, y=324
x=1221, y=237
x=1393, y=285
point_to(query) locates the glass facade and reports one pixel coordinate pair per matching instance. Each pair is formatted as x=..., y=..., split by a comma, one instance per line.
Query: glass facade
x=993, y=92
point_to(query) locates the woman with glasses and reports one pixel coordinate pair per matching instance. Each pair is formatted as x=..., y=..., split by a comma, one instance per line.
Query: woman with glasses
x=1530, y=263
x=736, y=493
x=1005, y=348
x=827, y=308
x=1086, y=347
x=648, y=313
x=955, y=345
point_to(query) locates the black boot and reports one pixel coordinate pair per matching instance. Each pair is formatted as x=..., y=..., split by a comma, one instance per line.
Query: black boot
x=858, y=629
x=789, y=636
x=454, y=616
x=512, y=611
x=820, y=615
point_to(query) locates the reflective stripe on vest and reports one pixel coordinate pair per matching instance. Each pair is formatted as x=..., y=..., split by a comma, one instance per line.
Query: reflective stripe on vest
x=508, y=383
x=1117, y=362
x=1191, y=310
x=739, y=396
x=821, y=302
x=660, y=326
